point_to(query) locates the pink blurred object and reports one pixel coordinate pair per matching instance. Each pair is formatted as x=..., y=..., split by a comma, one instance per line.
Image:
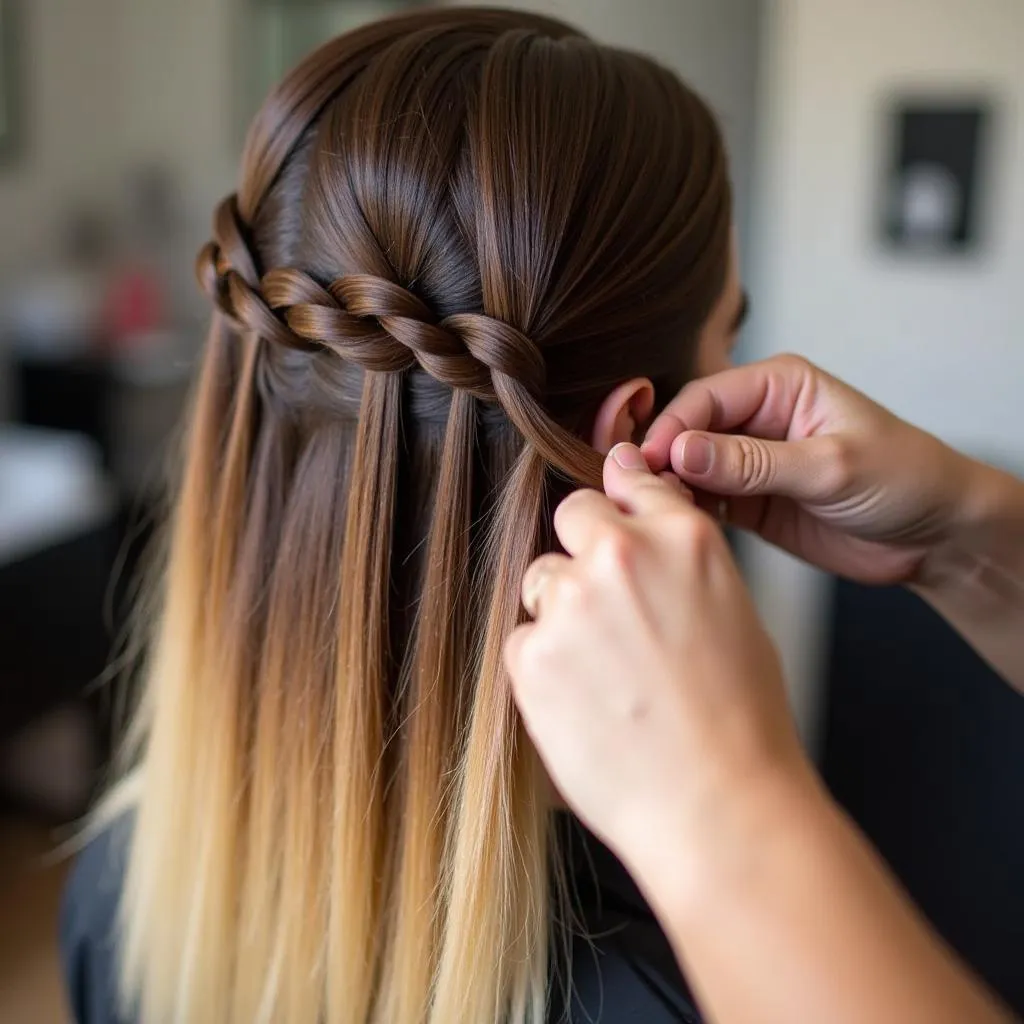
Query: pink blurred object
x=135, y=306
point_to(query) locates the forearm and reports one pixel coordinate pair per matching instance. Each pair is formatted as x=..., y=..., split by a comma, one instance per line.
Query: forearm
x=792, y=917
x=976, y=580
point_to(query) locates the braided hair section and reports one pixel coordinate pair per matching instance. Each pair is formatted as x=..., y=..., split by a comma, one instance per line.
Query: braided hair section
x=383, y=327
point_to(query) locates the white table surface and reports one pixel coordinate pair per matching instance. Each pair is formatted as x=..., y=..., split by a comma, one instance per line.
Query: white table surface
x=52, y=489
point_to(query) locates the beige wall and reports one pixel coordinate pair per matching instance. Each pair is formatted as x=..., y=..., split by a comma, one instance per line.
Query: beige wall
x=70, y=60
x=178, y=103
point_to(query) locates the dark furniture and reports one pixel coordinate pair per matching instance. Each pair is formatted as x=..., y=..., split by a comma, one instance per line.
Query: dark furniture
x=924, y=745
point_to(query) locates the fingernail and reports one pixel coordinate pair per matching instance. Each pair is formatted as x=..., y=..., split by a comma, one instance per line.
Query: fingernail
x=628, y=456
x=698, y=454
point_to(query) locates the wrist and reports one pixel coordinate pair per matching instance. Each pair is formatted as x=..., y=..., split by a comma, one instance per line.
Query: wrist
x=985, y=531
x=726, y=839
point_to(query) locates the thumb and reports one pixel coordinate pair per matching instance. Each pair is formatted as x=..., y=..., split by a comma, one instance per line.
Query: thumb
x=735, y=464
x=629, y=482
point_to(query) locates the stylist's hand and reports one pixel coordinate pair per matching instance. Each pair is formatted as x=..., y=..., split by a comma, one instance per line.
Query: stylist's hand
x=815, y=468
x=647, y=682
x=654, y=698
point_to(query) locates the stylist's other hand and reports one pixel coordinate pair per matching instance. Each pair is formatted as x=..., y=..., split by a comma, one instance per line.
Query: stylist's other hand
x=647, y=681
x=815, y=468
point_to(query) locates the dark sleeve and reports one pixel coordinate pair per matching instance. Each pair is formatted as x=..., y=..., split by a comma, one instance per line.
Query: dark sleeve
x=88, y=920
x=623, y=968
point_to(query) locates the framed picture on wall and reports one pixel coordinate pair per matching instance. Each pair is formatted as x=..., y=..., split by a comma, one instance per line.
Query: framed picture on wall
x=937, y=174
x=10, y=79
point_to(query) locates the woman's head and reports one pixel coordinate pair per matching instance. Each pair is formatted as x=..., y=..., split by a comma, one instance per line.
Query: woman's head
x=466, y=247
x=529, y=189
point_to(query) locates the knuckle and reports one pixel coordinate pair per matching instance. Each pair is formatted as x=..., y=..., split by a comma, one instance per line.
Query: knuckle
x=528, y=660
x=576, y=500
x=571, y=500
x=567, y=590
x=696, y=535
x=616, y=551
x=839, y=461
x=757, y=464
x=568, y=506
x=794, y=361
x=517, y=653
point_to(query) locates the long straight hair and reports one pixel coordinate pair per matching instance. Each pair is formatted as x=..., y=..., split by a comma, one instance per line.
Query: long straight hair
x=455, y=231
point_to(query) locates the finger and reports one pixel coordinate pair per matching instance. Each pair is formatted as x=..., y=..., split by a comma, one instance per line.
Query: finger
x=662, y=432
x=741, y=512
x=583, y=517
x=727, y=464
x=513, y=654
x=537, y=577
x=634, y=488
x=677, y=485
x=762, y=398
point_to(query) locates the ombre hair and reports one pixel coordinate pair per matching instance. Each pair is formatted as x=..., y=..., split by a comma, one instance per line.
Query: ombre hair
x=455, y=231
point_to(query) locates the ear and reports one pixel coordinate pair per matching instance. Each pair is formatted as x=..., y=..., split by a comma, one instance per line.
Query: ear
x=623, y=414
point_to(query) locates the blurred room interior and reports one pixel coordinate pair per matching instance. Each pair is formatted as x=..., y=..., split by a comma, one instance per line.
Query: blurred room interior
x=878, y=160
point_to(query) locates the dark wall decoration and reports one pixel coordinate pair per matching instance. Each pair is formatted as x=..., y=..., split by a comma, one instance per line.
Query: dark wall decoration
x=936, y=174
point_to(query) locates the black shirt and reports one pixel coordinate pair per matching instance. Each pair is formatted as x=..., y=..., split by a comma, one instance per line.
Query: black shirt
x=623, y=970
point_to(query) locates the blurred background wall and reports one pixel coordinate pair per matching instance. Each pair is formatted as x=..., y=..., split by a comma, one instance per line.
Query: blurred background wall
x=72, y=120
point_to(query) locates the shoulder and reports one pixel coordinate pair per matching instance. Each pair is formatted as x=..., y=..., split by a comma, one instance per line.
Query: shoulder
x=88, y=925
x=623, y=968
